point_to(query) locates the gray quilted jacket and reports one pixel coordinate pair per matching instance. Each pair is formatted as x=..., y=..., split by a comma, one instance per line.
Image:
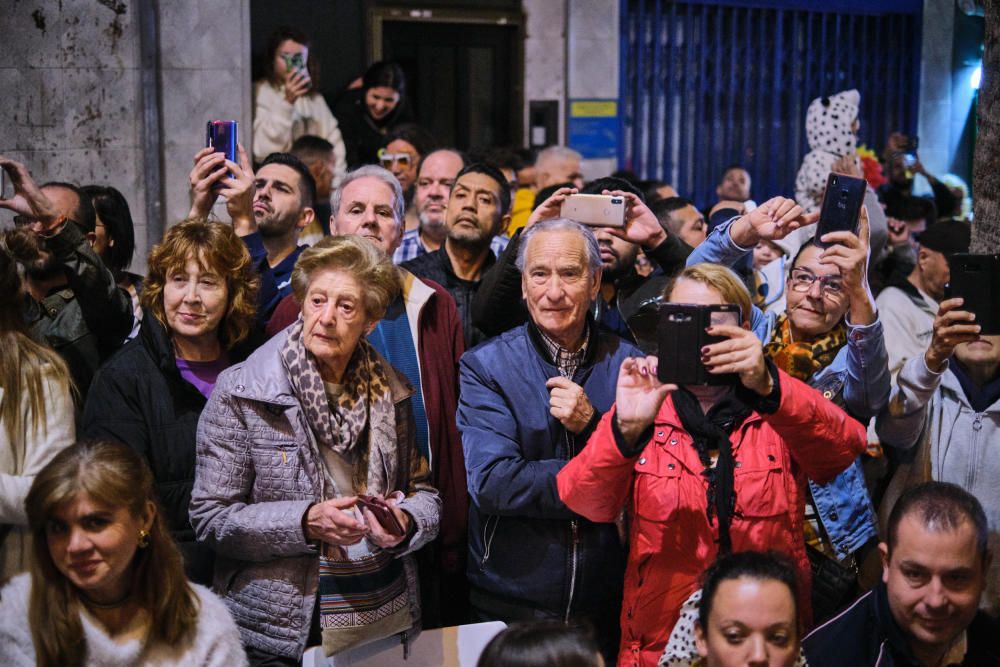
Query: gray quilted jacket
x=258, y=470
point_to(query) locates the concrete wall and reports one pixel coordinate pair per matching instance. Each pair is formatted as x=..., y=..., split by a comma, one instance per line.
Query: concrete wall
x=72, y=107
x=545, y=56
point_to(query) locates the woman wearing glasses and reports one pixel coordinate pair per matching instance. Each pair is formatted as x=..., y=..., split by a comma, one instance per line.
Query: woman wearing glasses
x=831, y=338
x=404, y=148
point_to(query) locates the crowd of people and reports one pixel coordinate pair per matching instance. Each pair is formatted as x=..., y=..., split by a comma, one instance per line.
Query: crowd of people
x=394, y=389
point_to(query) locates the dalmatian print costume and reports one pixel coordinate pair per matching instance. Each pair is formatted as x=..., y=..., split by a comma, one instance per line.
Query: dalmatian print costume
x=828, y=129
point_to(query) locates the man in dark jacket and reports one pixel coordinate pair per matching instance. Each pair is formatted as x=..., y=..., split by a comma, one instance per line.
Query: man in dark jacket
x=925, y=612
x=529, y=400
x=478, y=208
x=73, y=303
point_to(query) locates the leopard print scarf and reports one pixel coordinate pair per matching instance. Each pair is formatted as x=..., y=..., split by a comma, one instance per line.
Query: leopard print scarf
x=802, y=359
x=363, y=416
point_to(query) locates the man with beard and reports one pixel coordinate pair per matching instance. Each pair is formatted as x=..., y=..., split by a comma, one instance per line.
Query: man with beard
x=434, y=180
x=498, y=305
x=478, y=208
x=73, y=303
x=283, y=195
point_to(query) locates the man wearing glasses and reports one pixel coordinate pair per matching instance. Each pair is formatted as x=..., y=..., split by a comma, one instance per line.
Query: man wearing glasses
x=72, y=302
x=831, y=338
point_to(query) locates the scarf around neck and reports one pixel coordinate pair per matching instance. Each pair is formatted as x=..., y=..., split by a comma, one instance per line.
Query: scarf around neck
x=711, y=431
x=364, y=413
x=803, y=359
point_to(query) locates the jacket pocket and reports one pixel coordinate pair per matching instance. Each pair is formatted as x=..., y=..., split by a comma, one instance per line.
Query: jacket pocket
x=761, y=490
x=657, y=487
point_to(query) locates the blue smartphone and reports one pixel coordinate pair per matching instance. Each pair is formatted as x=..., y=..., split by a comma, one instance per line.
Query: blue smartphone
x=222, y=135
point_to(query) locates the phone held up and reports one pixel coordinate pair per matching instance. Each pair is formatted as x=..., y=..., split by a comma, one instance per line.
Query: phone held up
x=976, y=278
x=681, y=335
x=595, y=210
x=841, y=206
x=296, y=62
x=223, y=136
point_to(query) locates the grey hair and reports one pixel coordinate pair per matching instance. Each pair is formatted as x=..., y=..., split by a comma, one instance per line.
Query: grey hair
x=372, y=171
x=554, y=153
x=593, y=249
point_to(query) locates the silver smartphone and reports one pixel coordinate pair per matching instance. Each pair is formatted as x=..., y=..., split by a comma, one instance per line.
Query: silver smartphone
x=595, y=210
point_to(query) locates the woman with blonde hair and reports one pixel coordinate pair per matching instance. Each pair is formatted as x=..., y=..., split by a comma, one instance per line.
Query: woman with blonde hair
x=704, y=470
x=36, y=416
x=200, y=299
x=107, y=584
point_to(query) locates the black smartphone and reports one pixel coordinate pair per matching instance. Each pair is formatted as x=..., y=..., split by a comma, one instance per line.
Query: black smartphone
x=681, y=333
x=976, y=278
x=841, y=206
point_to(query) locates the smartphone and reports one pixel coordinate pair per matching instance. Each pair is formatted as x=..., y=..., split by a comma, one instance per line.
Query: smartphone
x=223, y=135
x=382, y=513
x=595, y=210
x=841, y=206
x=976, y=278
x=297, y=62
x=681, y=335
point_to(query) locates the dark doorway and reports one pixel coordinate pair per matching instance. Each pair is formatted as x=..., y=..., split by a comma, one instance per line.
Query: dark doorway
x=464, y=74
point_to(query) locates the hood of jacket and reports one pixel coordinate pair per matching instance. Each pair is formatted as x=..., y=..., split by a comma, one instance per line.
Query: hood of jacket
x=829, y=121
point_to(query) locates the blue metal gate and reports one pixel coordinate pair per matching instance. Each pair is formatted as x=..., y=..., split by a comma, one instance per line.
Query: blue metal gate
x=707, y=84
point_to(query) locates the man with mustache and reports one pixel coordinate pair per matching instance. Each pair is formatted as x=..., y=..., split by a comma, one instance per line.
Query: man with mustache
x=435, y=177
x=73, y=303
x=478, y=208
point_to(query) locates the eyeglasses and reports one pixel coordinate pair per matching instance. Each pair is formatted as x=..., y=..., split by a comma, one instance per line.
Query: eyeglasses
x=22, y=220
x=389, y=159
x=802, y=281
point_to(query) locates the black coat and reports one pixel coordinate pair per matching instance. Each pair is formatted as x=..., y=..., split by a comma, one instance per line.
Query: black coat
x=139, y=398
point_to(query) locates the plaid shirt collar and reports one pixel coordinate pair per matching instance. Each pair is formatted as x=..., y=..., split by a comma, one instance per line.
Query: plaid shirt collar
x=566, y=362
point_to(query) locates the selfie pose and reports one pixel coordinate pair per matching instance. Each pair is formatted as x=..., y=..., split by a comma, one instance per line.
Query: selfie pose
x=705, y=470
x=287, y=104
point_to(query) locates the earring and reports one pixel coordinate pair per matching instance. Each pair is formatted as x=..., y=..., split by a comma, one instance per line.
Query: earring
x=143, y=539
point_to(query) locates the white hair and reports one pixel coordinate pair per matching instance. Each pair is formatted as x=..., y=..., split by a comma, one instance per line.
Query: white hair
x=556, y=153
x=372, y=171
x=592, y=248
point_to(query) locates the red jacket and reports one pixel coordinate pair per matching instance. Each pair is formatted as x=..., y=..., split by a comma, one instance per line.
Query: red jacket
x=670, y=540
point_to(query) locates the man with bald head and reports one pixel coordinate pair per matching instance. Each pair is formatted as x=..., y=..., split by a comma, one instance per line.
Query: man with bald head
x=557, y=165
x=435, y=176
x=73, y=303
x=421, y=335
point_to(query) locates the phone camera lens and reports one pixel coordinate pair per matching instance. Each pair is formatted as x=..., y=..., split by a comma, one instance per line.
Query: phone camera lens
x=616, y=201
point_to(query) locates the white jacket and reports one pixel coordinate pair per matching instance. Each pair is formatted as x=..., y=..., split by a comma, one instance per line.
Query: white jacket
x=276, y=124
x=21, y=460
x=216, y=640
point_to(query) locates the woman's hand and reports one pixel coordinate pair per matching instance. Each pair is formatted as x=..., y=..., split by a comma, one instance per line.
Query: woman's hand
x=377, y=534
x=328, y=522
x=742, y=354
x=551, y=208
x=952, y=327
x=850, y=254
x=638, y=396
x=297, y=84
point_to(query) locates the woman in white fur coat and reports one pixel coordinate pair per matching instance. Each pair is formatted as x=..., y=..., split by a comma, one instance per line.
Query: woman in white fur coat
x=107, y=585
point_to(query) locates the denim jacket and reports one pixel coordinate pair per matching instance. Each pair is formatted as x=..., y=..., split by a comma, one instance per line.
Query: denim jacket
x=857, y=379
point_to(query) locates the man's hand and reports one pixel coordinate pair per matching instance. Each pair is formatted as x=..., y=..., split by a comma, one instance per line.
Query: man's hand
x=209, y=167
x=213, y=175
x=771, y=221
x=297, y=84
x=569, y=404
x=638, y=396
x=551, y=208
x=952, y=327
x=742, y=354
x=328, y=522
x=28, y=200
x=377, y=534
x=641, y=226
x=850, y=254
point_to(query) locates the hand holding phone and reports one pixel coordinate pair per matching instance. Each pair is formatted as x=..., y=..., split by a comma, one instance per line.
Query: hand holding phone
x=383, y=513
x=976, y=279
x=595, y=210
x=682, y=334
x=841, y=208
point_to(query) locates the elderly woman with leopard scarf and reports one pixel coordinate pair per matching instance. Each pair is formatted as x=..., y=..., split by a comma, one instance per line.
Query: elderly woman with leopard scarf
x=308, y=483
x=831, y=338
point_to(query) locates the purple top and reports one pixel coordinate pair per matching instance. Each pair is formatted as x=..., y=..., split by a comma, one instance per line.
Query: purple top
x=203, y=374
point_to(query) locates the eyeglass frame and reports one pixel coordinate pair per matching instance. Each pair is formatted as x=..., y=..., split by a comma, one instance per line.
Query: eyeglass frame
x=386, y=160
x=824, y=282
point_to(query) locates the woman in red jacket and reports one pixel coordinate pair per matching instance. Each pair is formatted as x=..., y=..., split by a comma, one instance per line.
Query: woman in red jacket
x=705, y=469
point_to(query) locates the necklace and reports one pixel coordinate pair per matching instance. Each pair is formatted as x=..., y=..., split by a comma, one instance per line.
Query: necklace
x=106, y=605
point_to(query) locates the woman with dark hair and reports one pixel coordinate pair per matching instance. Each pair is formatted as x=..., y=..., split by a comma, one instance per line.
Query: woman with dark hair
x=367, y=114
x=36, y=416
x=541, y=644
x=114, y=241
x=107, y=586
x=200, y=300
x=287, y=102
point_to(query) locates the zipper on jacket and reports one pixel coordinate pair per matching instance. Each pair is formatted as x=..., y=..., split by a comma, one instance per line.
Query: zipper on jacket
x=574, y=529
x=970, y=476
x=488, y=539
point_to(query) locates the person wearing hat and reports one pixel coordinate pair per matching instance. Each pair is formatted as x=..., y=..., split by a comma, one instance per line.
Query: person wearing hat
x=907, y=308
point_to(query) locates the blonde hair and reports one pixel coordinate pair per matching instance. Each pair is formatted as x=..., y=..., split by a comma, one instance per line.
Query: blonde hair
x=216, y=247
x=357, y=256
x=114, y=475
x=719, y=278
x=24, y=367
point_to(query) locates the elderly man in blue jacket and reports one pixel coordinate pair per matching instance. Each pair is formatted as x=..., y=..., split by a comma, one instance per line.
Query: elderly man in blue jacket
x=529, y=400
